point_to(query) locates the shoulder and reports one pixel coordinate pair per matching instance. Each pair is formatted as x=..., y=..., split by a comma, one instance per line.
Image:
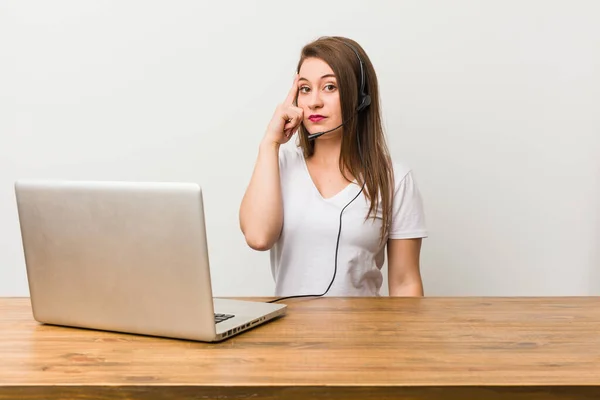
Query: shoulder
x=406, y=190
x=408, y=216
x=290, y=154
x=402, y=173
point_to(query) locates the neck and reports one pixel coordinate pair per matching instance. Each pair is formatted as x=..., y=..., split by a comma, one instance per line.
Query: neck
x=328, y=149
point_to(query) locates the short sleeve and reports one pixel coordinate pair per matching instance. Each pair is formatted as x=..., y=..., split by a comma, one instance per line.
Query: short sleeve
x=408, y=215
x=288, y=155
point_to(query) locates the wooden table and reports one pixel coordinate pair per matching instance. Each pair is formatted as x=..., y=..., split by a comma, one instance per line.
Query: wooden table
x=350, y=348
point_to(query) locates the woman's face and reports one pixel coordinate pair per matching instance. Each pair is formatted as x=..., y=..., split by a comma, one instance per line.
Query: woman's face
x=318, y=96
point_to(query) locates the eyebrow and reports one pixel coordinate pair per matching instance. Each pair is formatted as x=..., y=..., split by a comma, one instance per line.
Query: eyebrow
x=323, y=77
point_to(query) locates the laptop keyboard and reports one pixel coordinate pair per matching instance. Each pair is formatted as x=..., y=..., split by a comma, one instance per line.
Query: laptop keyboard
x=222, y=317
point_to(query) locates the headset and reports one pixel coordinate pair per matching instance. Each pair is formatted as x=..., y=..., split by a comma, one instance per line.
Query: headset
x=364, y=100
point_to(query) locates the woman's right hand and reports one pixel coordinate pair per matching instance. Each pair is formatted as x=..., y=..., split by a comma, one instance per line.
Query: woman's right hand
x=286, y=119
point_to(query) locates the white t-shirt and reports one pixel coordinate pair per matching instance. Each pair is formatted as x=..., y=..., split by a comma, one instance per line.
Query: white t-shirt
x=303, y=259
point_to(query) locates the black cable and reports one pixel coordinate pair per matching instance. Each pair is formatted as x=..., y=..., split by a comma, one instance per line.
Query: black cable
x=338, y=236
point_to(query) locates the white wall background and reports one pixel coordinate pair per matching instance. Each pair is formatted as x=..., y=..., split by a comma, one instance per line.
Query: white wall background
x=495, y=104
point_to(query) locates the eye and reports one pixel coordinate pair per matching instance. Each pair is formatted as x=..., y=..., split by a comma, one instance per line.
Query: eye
x=304, y=89
x=330, y=87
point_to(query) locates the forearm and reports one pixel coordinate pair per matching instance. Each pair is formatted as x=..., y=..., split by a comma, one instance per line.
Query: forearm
x=412, y=288
x=404, y=276
x=261, y=210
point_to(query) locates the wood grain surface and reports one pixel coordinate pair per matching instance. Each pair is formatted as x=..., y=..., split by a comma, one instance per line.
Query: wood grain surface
x=353, y=348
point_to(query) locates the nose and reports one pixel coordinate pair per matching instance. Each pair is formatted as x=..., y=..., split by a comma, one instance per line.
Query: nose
x=314, y=101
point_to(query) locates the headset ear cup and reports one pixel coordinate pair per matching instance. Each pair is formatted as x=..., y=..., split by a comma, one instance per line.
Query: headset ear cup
x=366, y=101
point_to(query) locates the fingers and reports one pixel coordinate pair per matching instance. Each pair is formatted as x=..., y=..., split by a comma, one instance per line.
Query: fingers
x=289, y=100
x=288, y=117
x=293, y=117
x=288, y=134
x=290, y=130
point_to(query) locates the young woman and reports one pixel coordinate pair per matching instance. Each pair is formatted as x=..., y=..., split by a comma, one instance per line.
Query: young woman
x=331, y=207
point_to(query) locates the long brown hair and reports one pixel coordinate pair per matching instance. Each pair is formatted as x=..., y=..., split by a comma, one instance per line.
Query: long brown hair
x=377, y=171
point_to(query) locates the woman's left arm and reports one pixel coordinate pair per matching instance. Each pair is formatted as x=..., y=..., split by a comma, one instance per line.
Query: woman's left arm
x=404, y=275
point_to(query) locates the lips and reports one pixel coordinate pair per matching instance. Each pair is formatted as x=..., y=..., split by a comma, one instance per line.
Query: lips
x=316, y=118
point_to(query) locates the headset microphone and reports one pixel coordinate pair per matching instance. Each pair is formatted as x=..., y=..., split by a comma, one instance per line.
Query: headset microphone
x=316, y=135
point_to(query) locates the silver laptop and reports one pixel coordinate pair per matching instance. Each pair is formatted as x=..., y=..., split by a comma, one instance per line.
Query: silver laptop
x=128, y=257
